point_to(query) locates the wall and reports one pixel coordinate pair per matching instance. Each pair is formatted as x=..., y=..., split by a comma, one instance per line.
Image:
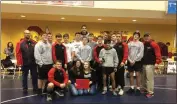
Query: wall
x=139, y=5
x=12, y=30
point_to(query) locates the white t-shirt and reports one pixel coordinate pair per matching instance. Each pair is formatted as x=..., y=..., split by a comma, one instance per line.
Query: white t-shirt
x=69, y=49
x=76, y=46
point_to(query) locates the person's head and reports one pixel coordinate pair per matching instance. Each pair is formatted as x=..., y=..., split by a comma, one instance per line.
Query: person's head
x=100, y=39
x=108, y=43
x=58, y=64
x=86, y=65
x=44, y=36
x=66, y=37
x=77, y=36
x=147, y=37
x=27, y=34
x=58, y=37
x=119, y=37
x=9, y=45
x=49, y=36
x=136, y=35
x=85, y=40
x=105, y=35
x=90, y=37
x=113, y=37
x=168, y=43
x=84, y=29
x=78, y=64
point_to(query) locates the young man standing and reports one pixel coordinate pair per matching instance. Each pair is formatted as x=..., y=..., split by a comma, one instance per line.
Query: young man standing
x=92, y=44
x=109, y=60
x=70, y=51
x=58, y=81
x=96, y=52
x=59, y=51
x=122, y=53
x=43, y=56
x=151, y=59
x=113, y=39
x=84, y=32
x=135, y=54
x=85, y=51
x=50, y=40
x=25, y=59
x=76, y=44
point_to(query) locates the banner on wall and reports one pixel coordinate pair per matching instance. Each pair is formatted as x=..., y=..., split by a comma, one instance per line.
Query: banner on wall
x=171, y=7
x=64, y=3
x=171, y=69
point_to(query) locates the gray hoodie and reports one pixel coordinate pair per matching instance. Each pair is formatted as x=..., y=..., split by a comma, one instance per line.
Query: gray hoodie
x=110, y=57
x=84, y=53
x=135, y=51
x=43, y=53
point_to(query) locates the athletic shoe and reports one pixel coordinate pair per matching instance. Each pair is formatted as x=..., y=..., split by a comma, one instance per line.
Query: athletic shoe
x=104, y=92
x=49, y=98
x=143, y=91
x=114, y=93
x=130, y=91
x=59, y=93
x=138, y=92
x=121, y=92
x=149, y=95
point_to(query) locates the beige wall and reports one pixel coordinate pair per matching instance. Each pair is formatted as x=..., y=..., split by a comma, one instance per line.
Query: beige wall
x=12, y=30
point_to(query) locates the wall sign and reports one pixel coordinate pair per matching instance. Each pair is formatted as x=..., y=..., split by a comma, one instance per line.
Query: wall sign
x=171, y=7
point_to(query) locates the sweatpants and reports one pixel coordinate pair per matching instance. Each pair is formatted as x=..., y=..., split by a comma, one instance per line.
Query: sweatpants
x=119, y=77
x=147, y=78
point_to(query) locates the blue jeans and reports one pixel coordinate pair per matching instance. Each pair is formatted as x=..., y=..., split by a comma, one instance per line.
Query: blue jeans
x=92, y=90
x=75, y=91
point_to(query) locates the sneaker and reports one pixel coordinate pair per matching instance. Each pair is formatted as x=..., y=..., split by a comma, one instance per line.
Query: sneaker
x=149, y=95
x=138, y=92
x=114, y=93
x=143, y=91
x=49, y=98
x=117, y=89
x=130, y=91
x=104, y=92
x=59, y=93
x=121, y=92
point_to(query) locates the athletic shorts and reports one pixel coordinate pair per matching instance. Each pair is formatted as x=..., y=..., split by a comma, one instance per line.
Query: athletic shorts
x=136, y=67
x=43, y=71
x=107, y=70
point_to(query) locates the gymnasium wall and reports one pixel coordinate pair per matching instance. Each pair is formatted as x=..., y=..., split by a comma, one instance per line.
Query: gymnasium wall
x=12, y=30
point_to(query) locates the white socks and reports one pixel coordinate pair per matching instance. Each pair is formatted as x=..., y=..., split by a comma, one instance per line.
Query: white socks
x=132, y=87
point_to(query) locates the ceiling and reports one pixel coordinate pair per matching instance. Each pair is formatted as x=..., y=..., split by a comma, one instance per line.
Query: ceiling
x=87, y=18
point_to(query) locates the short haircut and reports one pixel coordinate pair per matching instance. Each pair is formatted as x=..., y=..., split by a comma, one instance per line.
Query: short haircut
x=83, y=26
x=137, y=33
x=100, y=36
x=49, y=33
x=77, y=33
x=91, y=35
x=42, y=33
x=146, y=35
x=58, y=61
x=58, y=35
x=66, y=35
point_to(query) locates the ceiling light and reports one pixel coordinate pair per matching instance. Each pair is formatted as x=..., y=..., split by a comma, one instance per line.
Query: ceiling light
x=99, y=19
x=62, y=18
x=134, y=20
x=22, y=16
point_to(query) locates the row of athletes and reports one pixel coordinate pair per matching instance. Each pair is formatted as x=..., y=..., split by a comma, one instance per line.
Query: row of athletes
x=106, y=59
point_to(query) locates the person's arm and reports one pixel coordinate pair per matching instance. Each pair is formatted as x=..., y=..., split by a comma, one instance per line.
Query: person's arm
x=65, y=77
x=157, y=52
x=53, y=52
x=51, y=77
x=96, y=57
x=141, y=52
x=71, y=76
x=116, y=59
x=101, y=55
x=78, y=54
x=129, y=59
x=72, y=52
x=125, y=57
x=19, y=54
x=93, y=76
x=37, y=54
x=65, y=55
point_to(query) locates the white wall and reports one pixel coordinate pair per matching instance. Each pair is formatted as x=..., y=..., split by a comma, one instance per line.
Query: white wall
x=138, y=5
